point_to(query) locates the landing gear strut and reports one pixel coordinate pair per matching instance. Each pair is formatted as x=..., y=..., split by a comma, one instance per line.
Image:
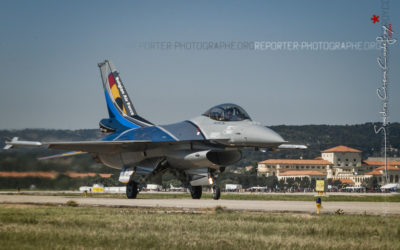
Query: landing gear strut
x=131, y=190
x=216, y=192
x=195, y=192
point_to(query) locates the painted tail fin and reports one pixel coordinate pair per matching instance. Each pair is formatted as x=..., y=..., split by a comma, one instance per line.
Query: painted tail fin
x=120, y=107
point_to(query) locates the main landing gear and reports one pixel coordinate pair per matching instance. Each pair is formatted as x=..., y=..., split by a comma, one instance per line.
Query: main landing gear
x=131, y=189
x=195, y=192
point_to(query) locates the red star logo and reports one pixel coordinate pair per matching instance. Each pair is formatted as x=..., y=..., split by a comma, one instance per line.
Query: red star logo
x=375, y=18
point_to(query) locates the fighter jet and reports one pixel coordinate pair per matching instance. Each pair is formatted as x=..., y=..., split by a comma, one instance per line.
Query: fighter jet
x=195, y=150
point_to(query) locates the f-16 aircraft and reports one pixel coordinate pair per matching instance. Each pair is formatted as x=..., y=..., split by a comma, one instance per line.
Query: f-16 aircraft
x=195, y=150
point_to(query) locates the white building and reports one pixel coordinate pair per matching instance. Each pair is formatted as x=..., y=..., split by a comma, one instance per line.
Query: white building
x=342, y=163
x=275, y=167
x=311, y=175
x=345, y=160
x=233, y=187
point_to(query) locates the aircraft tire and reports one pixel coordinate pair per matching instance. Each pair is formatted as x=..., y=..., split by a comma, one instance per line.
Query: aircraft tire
x=131, y=190
x=196, y=191
x=216, y=193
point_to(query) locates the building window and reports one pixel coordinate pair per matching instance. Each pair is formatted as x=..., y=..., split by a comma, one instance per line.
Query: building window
x=396, y=179
x=312, y=166
x=338, y=159
x=318, y=167
x=307, y=166
x=354, y=159
x=297, y=167
x=347, y=159
x=302, y=166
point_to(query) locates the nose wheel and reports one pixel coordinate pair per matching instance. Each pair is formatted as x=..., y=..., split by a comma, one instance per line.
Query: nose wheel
x=216, y=192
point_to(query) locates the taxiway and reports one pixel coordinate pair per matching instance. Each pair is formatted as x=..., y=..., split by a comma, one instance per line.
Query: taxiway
x=372, y=208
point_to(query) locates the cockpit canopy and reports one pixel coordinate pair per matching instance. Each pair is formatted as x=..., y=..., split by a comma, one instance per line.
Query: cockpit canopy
x=227, y=112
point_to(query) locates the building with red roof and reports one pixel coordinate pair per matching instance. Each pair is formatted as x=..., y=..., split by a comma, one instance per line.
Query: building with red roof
x=344, y=157
x=316, y=175
x=341, y=148
x=381, y=163
x=341, y=162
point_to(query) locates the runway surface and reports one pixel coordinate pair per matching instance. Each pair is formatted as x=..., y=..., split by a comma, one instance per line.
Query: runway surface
x=373, y=208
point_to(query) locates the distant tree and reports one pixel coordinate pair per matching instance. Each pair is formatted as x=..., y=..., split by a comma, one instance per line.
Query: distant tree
x=173, y=182
x=297, y=182
x=316, y=137
x=271, y=182
x=305, y=182
x=371, y=183
x=281, y=184
x=290, y=182
x=312, y=184
x=253, y=170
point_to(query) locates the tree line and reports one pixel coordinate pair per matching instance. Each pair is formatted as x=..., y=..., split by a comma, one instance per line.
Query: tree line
x=316, y=137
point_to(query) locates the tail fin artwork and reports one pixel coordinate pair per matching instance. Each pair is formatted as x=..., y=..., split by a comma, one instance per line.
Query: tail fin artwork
x=120, y=108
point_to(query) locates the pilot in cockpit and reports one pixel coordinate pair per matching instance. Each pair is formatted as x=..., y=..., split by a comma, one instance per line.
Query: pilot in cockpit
x=229, y=114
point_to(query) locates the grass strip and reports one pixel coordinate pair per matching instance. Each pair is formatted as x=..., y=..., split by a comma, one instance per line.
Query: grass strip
x=65, y=227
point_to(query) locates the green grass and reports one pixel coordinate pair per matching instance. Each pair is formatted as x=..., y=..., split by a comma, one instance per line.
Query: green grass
x=268, y=197
x=380, y=198
x=236, y=196
x=55, y=227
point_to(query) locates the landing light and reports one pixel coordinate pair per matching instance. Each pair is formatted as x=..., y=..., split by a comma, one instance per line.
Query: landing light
x=210, y=181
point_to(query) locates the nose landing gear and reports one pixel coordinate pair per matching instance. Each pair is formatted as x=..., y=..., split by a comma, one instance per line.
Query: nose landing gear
x=216, y=192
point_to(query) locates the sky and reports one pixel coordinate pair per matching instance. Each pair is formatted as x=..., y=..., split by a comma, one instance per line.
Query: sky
x=49, y=52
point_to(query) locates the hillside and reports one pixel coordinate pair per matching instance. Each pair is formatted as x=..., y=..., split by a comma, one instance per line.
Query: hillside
x=321, y=137
x=316, y=137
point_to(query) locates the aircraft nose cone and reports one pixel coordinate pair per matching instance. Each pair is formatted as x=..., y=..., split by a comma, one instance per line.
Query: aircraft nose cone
x=263, y=137
x=271, y=136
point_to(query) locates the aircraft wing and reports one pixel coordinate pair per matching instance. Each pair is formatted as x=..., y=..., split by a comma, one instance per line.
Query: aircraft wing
x=98, y=146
